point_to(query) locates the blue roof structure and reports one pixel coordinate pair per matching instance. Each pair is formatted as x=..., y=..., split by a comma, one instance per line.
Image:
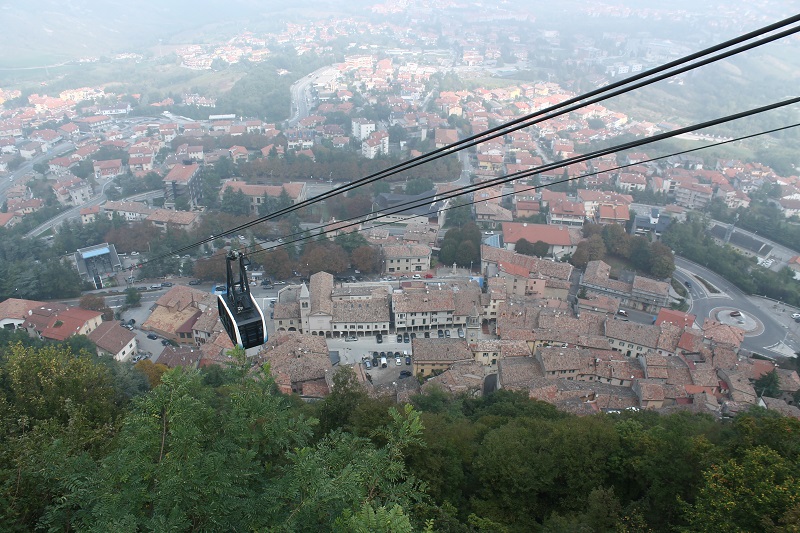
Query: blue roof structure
x=95, y=252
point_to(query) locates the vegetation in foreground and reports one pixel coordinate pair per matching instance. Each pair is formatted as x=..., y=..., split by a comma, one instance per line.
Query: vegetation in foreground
x=86, y=446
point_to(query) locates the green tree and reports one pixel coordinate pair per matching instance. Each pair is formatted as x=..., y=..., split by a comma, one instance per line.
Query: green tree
x=541, y=248
x=616, y=240
x=235, y=202
x=419, y=186
x=524, y=247
x=662, y=260
x=182, y=203
x=759, y=492
x=367, y=259
x=350, y=241
x=768, y=385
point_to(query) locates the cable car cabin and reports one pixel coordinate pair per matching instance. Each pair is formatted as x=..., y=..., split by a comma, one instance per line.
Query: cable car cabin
x=238, y=311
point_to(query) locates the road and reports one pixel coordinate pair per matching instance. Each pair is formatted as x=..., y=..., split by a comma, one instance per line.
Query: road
x=772, y=329
x=301, y=96
x=27, y=166
x=97, y=200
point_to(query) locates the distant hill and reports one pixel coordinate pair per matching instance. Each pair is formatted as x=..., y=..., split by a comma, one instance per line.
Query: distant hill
x=56, y=31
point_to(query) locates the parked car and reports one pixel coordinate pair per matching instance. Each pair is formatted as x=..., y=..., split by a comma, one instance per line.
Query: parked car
x=165, y=342
x=194, y=282
x=397, y=361
x=367, y=364
x=795, y=315
x=384, y=364
x=351, y=338
x=379, y=338
x=134, y=253
x=413, y=335
x=416, y=276
x=406, y=337
x=408, y=360
x=405, y=374
x=399, y=338
x=447, y=333
x=155, y=287
x=622, y=312
x=427, y=334
x=152, y=336
x=440, y=334
x=428, y=276
x=167, y=284
x=375, y=362
x=460, y=333
x=739, y=313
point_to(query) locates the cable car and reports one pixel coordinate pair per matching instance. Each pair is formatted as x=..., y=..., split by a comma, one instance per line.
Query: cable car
x=238, y=311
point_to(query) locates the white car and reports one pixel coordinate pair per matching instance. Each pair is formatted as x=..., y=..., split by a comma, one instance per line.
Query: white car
x=795, y=315
x=398, y=362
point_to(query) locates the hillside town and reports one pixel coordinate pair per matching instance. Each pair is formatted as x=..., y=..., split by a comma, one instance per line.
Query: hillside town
x=500, y=318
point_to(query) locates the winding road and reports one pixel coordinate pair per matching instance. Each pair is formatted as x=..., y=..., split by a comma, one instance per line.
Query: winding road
x=771, y=330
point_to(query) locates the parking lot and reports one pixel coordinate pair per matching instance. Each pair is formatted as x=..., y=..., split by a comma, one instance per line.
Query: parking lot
x=353, y=352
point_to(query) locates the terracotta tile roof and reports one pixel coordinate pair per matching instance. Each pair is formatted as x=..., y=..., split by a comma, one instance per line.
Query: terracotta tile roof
x=557, y=359
x=640, y=283
x=299, y=357
x=533, y=265
x=214, y=351
x=366, y=310
x=184, y=356
x=111, y=337
x=739, y=387
x=440, y=350
x=552, y=235
x=719, y=332
x=208, y=322
x=632, y=332
x=516, y=373
x=789, y=380
x=678, y=318
x=58, y=322
x=599, y=302
x=178, y=310
x=17, y=308
x=167, y=216
x=648, y=390
x=182, y=173
x=461, y=377
x=691, y=341
x=780, y=406
x=406, y=250
x=320, y=288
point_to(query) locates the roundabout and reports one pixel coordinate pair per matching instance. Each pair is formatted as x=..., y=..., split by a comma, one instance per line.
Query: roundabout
x=730, y=316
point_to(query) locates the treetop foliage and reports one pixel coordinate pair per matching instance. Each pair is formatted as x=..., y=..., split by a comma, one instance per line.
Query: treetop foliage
x=82, y=447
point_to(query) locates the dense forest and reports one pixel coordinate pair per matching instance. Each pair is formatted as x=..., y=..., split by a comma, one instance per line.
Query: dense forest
x=89, y=444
